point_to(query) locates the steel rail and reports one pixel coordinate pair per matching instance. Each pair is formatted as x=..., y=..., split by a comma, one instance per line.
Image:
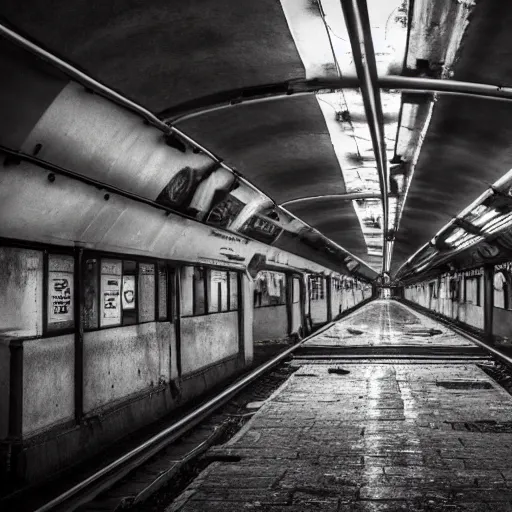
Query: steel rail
x=194, y=417
x=250, y=95
x=112, y=95
x=311, y=86
x=358, y=357
x=255, y=94
x=494, y=351
x=359, y=31
x=48, y=166
x=412, y=168
x=151, y=118
x=100, y=185
x=436, y=85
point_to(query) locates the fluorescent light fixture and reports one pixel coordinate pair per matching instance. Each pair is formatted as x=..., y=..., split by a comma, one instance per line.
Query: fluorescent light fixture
x=456, y=235
x=503, y=223
x=486, y=217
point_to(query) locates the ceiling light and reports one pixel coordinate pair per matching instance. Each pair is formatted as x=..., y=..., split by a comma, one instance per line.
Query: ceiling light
x=486, y=217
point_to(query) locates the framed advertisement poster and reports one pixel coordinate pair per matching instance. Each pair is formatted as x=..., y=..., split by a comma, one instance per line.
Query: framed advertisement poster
x=60, y=291
x=60, y=285
x=128, y=297
x=261, y=229
x=146, y=292
x=224, y=211
x=110, y=300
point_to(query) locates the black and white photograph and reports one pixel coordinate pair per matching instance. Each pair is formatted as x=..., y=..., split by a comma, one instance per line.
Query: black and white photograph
x=256, y=256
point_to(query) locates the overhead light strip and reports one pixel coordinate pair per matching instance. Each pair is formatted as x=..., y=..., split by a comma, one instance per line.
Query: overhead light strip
x=497, y=224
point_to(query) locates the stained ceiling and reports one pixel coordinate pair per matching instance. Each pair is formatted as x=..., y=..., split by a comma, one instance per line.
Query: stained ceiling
x=314, y=155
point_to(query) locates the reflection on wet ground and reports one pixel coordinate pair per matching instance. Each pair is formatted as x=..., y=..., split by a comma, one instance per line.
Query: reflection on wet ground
x=386, y=322
x=372, y=438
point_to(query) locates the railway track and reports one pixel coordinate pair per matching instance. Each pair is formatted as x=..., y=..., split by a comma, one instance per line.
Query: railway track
x=82, y=494
x=139, y=472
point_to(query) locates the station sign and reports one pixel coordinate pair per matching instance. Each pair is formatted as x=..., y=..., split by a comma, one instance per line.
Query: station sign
x=60, y=289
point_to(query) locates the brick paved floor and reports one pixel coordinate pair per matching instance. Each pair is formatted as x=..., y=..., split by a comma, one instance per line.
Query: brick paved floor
x=384, y=437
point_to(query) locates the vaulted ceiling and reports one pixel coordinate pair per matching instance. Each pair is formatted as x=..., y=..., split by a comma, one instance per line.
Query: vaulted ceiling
x=277, y=92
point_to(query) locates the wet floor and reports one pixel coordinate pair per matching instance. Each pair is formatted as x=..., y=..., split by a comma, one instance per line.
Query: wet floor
x=369, y=436
x=382, y=437
x=387, y=323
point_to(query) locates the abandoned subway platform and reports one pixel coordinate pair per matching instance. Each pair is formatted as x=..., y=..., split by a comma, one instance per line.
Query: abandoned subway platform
x=255, y=255
x=383, y=434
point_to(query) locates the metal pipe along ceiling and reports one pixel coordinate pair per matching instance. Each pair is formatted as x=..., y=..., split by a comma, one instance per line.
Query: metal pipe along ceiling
x=418, y=85
x=351, y=196
x=358, y=26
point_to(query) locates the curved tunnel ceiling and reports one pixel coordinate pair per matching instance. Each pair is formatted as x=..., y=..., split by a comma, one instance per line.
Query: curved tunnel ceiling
x=336, y=219
x=468, y=144
x=161, y=53
x=443, y=153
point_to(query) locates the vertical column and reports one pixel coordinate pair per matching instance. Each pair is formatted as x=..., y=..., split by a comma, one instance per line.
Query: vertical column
x=246, y=311
x=488, y=302
x=15, y=407
x=176, y=305
x=289, y=302
x=16, y=389
x=79, y=312
x=328, y=296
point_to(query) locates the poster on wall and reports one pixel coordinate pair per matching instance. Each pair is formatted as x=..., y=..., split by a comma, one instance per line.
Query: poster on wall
x=128, y=297
x=110, y=302
x=60, y=298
